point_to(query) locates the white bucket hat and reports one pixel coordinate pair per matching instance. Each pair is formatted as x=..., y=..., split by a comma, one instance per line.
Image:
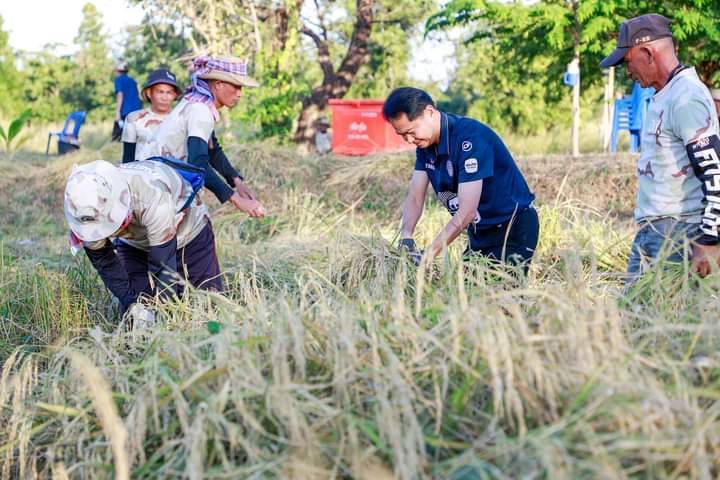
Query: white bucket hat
x=97, y=200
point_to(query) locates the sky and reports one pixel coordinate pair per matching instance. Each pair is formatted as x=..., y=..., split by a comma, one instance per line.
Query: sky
x=32, y=24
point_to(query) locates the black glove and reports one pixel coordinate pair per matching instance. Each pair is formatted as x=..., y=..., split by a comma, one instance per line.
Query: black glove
x=408, y=244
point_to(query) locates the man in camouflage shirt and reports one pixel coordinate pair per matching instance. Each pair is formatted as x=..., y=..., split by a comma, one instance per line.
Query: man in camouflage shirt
x=678, y=200
x=160, y=238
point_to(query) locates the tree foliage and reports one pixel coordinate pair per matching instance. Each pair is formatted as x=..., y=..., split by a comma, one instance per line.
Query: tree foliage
x=515, y=53
x=92, y=87
x=53, y=85
x=157, y=43
x=9, y=76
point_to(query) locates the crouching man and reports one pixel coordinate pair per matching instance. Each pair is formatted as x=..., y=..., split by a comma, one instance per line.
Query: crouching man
x=474, y=177
x=162, y=233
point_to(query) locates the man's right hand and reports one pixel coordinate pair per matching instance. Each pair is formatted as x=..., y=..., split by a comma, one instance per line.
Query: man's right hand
x=705, y=259
x=251, y=207
x=408, y=245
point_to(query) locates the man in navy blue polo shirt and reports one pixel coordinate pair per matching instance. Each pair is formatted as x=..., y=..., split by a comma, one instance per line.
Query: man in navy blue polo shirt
x=127, y=99
x=473, y=175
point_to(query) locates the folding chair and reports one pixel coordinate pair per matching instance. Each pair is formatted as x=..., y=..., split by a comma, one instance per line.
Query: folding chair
x=68, y=138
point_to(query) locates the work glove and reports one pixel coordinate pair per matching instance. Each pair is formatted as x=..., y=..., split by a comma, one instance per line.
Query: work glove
x=408, y=245
x=140, y=317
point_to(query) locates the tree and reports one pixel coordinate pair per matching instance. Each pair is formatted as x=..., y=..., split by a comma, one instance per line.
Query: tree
x=301, y=62
x=533, y=43
x=263, y=32
x=157, y=43
x=49, y=85
x=9, y=77
x=335, y=82
x=92, y=86
x=372, y=57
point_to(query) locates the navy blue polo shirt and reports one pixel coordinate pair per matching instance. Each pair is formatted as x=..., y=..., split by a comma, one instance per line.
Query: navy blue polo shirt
x=131, y=100
x=468, y=151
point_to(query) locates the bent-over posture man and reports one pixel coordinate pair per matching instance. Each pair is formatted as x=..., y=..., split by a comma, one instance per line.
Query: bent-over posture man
x=473, y=175
x=678, y=199
x=162, y=233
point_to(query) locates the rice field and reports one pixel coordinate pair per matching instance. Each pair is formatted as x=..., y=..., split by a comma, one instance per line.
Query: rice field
x=332, y=356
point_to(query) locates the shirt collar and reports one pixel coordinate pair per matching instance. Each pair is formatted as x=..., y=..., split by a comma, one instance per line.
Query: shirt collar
x=443, y=147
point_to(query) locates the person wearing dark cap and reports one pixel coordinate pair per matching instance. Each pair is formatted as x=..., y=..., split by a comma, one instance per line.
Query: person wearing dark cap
x=126, y=99
x=323, y=136
x=678, y=199
x=160, y=90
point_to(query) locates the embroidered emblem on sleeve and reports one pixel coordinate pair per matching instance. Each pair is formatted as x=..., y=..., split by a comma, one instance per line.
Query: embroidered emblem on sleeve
x=471, y=165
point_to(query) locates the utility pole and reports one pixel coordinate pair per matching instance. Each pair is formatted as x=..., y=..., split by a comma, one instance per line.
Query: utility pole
x=574, y=68
x=608, y=108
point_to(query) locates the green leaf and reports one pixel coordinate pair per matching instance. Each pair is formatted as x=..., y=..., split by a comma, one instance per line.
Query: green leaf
x=17, y=124
x=2, y=134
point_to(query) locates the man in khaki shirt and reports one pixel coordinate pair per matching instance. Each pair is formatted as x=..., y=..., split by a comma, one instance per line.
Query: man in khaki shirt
x=162, y=233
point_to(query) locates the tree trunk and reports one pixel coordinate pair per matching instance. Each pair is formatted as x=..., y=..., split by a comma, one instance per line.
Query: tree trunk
x=335, y=83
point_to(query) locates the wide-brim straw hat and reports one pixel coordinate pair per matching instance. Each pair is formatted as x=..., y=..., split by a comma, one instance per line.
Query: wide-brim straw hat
x=234, y=78
x=97, y=200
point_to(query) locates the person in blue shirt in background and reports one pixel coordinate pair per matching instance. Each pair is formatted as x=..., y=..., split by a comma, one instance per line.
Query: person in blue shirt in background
x=127, y=99
x=474, y=176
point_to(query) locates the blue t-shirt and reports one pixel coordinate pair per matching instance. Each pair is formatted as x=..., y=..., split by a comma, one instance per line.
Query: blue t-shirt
x=468, y=151
x=131, y=100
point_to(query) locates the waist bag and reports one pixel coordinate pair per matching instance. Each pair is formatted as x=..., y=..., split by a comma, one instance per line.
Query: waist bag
x=194, y=175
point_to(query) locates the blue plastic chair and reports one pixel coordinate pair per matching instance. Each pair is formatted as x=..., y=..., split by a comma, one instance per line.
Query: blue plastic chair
x=621, y=121
x=69, y=137
x=629, y=114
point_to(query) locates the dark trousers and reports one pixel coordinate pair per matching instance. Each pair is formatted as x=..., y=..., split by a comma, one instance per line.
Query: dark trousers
x=117, y=130
x=197, y=263
x=512, y=242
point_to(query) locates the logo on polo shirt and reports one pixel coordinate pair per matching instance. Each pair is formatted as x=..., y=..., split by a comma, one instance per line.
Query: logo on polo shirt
x=450, y=201
x=471, y=165
x=466, y=146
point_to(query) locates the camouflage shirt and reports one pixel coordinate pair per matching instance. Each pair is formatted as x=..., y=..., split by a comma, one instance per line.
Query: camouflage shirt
x=157, y=192
x=139, y=128
x=679, y=114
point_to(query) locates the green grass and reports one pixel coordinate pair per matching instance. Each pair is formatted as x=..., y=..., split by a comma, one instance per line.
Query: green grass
x=332, y=357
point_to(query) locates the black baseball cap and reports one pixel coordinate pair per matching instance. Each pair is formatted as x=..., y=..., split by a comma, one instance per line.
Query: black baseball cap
x=635, y=31
x=161, y=75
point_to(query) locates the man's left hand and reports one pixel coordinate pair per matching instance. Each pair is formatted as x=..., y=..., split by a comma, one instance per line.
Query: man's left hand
x=705, y=258
x=433, y=251
x=243, y=190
